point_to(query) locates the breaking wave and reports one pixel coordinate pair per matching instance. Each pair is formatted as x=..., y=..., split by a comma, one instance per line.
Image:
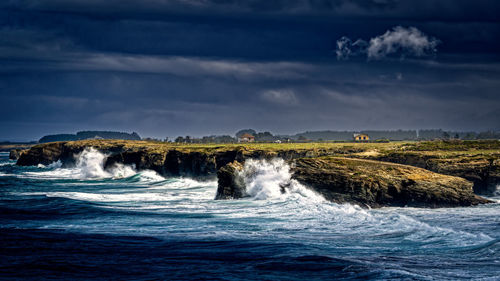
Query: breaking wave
x=497, y=191
x=90, y=166
x=281, y=217
x=271, y=179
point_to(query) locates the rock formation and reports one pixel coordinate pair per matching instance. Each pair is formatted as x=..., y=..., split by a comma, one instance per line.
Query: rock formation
x=323, y=168
x=482, y=170
x=376, y=184
x=231, y=184
x=15, y=153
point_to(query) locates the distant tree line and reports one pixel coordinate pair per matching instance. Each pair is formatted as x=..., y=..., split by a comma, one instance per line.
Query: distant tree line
x=348, y=135
x=440, y=134
x=206, y=139
x=83, y=135
x=396, y=135
x=380, y=135
x=259, y=137
x=393, y=135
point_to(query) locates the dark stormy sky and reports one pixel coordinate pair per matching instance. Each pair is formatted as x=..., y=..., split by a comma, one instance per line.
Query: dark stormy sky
x=199, y=67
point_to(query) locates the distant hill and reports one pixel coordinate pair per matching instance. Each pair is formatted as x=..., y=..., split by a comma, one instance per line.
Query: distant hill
x=84, y=135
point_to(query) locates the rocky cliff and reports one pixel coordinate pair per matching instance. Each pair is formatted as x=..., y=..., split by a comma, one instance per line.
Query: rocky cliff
x=476, y=161
x=166, y=159
x=15, y=153
x=484, y=172
x=365, y=182
x=376, y=184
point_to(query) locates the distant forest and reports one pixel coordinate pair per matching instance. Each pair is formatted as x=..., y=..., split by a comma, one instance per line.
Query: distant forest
x=84, y=135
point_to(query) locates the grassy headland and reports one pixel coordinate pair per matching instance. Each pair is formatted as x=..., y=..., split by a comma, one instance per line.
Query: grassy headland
x=423, y=173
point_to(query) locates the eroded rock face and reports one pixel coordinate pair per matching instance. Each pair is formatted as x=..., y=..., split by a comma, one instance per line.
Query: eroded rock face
x=231, y=184
x=483, y=171
x=376, y=184
x=42, y=154
x=14, y=154
x=365, y=182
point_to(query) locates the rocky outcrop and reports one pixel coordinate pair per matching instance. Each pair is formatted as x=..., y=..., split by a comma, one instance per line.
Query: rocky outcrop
x=42, y=154
x=375, y=184
x=165, y=159
x=483, y=171
x=14, y=154
x=365, y=182
x=231, y=184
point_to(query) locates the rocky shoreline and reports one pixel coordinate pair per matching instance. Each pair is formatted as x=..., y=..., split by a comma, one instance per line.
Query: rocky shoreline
x=340, y=172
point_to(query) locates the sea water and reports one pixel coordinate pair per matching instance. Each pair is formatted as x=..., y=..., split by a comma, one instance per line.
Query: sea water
x=87, y=222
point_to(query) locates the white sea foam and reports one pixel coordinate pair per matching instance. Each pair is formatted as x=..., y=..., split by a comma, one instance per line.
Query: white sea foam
x=272, y=180
x=53, y=165
x=90, y=166
x=296, y=207
x=497, y=191
x=110, y=197
x=292, y=212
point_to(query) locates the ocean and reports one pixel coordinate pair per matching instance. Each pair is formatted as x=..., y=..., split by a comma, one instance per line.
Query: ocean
x=87, y=223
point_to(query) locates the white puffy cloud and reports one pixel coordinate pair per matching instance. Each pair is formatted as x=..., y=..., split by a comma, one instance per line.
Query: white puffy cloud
x=399, y=40
x=406, y=40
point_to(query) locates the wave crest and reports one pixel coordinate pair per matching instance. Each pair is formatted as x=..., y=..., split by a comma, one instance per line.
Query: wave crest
x=90, y=166
x=271, y=179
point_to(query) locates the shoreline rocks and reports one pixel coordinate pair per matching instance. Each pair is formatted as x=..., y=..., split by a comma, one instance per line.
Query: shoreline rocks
x=483, y=171
x=366, y=182
x=231, y=185
x=377, y=184
x=14, y=154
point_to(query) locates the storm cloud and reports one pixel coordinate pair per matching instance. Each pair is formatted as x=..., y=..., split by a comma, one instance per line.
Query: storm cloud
x=168, y=68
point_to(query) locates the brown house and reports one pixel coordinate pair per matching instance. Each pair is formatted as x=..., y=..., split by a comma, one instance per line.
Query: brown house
x=246, y=138
x=361, y=137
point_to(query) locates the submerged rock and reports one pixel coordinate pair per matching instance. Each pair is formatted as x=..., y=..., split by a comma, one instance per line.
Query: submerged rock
x=376, y=184
x=231, y=184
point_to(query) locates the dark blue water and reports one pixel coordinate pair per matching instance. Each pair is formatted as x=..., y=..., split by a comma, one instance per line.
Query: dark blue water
x=84, y=222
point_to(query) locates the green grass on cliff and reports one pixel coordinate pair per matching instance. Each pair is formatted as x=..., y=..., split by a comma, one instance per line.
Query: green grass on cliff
x=210, y=148
x=435, y=149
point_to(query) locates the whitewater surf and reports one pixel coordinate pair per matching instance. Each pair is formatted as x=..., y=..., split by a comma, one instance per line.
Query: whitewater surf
x=117, y=221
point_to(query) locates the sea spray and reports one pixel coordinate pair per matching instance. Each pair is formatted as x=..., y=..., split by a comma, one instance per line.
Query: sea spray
x=271, y=179
x=89, y=165
x=54, y=213
x=496, y=193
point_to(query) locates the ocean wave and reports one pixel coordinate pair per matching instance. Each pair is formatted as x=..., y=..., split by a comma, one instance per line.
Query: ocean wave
x=275, y=197
x=271, y=179
x=277, y=207
x=496, y=193
x=109, y=197
x=90, y=166
x=7, y=162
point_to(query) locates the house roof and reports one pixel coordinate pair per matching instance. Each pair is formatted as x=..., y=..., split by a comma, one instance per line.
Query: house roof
x=246, y=135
